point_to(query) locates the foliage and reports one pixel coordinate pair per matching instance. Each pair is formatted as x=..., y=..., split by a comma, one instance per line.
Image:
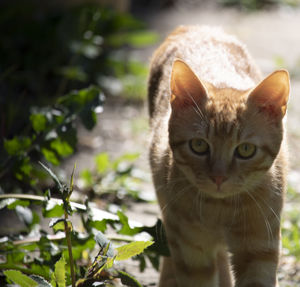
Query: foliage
x=258, y=4
x=43, y=257
x=56, y=65
x=20, y=279
x=46, y=51
x=117, y=181
x=51, y=137
x=290, y=225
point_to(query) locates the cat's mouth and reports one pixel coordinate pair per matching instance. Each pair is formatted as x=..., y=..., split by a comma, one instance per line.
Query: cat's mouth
x=217, y=191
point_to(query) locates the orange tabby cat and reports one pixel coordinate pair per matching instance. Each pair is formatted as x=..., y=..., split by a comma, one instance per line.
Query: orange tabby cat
x=218, y=160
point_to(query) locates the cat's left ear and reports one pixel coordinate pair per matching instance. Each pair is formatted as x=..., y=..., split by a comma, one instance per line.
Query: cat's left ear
x=186, y=88
x=272, y=94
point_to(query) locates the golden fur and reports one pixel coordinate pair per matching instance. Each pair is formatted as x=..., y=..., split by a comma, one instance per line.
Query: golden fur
x=203, y=85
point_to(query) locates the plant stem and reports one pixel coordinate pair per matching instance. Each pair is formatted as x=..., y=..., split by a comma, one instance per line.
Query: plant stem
x=113, y=237
x=68, y=238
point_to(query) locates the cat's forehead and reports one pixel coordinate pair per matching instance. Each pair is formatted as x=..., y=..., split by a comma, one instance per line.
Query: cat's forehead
x=225, y=115
x=225, y=108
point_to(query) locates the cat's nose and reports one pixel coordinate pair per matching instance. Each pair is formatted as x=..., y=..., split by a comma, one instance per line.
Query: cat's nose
x=218, y=179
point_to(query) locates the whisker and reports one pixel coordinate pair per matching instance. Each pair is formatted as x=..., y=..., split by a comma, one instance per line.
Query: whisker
x=197, y=109
x=268, y=226
x=270, y=208
x=175, y=198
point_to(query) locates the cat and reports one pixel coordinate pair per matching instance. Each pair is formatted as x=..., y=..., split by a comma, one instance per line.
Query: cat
x=218, y=159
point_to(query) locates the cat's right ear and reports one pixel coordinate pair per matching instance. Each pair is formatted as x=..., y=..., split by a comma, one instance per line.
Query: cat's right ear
x=186, y=89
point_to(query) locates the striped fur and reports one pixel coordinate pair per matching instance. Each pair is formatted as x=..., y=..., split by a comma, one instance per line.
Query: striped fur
x=224, y=234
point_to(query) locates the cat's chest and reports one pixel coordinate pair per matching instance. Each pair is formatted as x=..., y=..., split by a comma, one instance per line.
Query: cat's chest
x=213, y=214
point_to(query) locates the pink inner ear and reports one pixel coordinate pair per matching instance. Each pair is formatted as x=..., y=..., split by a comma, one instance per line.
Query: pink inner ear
x=271, y=111
x=271, y=95
x=186, y=88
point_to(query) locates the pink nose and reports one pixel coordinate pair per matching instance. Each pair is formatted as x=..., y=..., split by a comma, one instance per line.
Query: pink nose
x=218, y=179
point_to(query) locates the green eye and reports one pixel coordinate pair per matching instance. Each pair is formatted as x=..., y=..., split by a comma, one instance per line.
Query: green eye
x=245, y=150
x=199, y=146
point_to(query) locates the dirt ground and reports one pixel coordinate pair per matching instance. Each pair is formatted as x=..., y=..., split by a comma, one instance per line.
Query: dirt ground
x=272, y=38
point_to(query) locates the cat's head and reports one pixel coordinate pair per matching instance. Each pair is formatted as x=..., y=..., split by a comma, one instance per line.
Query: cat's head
x=225, y=140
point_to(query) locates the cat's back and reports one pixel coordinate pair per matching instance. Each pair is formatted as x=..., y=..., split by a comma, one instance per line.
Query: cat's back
x=215, y=57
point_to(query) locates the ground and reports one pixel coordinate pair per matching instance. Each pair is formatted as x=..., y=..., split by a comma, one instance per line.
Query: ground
x=272, y=38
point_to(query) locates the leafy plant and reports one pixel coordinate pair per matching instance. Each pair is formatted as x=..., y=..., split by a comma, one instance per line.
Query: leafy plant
x=56, y=66
x=117, y=181
x=100, y=271
x=102, y=267
x=66, y=193
x=42, y=256
x=47, y=52
x=52, y=136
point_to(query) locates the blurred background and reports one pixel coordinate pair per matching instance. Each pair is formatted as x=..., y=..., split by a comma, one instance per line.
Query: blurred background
x=73, y=80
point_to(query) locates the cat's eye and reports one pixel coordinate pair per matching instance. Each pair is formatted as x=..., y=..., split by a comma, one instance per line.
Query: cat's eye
x=245, y=150
x=199, y=146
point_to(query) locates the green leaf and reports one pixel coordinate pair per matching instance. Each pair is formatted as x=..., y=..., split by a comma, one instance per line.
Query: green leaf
x=88, y=118
x=142, y=38
x=127, y=21
x=61, y=147
x=58, y=224
x=41, y=281
x=71, y=183
x=74, y=73
x=30, y=247
x=35, y=219
x=72, y=177
x=53, y=210
x=128, y=280
x=132, y=249
x=87, y=177
x=47, y=195
x=136, y=39
x=19, y=278
x=128, y=157
x=38, y=121
x=25, y=166
x=100, y=225
x=141, y=258
x=154, y=259
x=17, y=202
x=77, y=100
x=50, y=156
x=126, y=229
x=102, y=162
x=158, y=233
x=137, y=68
x=6, y=202
x=60, y=272
x=52, y=174
x=17, y=145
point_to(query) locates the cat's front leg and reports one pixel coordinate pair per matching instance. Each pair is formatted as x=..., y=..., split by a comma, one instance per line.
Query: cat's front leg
x=167, y=274
x=256, y=268
x=193, y=256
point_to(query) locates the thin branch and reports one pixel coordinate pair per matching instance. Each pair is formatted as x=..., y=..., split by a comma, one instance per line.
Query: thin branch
x=69, y=243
